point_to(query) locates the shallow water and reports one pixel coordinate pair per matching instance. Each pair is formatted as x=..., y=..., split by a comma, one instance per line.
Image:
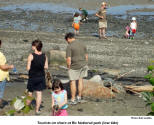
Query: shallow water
x=122, y=10
x=118, y=11
x=55, y=8
x=25, y=26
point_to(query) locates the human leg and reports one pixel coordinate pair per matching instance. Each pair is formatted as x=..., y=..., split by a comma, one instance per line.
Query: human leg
x=80, y=87
x=73, y=89
x=77, y=32
x=38, y=100
x=2, y=88
x=104, y=32
x=100, y=32
x=28, y=101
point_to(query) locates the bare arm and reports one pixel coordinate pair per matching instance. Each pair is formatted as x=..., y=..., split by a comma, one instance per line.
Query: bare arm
x=30, y=58
x=68, y=61
x=99, y=16
x=86, y=56
x=46, y=63
x=6, y=67
x=73, y=22
x=52, y=103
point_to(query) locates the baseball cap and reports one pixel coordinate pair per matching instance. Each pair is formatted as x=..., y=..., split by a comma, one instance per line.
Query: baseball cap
x=133, y=18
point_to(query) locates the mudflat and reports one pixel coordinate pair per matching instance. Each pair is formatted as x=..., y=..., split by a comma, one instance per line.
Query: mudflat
x=19, y=27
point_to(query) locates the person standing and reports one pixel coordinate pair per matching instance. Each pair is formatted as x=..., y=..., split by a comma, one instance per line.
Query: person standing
x=76, y=23
x=102, y=20
x=4, y=74
x=84, y=14
x=133, y=27
x=36, y=65
x=77, y=58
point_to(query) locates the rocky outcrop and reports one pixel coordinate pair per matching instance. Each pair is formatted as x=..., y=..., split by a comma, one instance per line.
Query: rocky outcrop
x=56, y=57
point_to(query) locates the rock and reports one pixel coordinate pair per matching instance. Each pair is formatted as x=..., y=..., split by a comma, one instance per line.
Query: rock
x=112, y=71
x=56, y=57
x=146, y=43
x=108, y=81
x=95, y=90
x=23, y=76
x=119, y=88
x=96, y=78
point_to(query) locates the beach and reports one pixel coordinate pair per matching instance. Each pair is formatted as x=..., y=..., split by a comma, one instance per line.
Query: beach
x=22, y=21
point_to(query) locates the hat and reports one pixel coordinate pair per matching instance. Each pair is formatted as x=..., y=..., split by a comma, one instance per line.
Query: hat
x=103, y=3
x=133, y=18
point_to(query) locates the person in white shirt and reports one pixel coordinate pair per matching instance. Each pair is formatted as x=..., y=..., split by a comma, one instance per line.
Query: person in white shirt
x=133, y=27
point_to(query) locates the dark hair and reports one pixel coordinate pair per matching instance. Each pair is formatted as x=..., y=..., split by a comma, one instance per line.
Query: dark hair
x=38, y=44
x=56, y=84
x=0, y=42
x=69, y=35
x=76, y=14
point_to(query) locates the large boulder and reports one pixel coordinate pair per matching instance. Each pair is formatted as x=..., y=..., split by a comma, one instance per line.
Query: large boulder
x=96, y=78
x=57, y=58
x=96, y=90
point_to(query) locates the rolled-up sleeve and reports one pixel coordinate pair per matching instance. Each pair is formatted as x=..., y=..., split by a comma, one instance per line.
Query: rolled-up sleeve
x=68, y=51
x=2, y=59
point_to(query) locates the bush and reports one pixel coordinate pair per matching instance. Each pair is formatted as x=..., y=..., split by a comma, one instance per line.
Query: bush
x=148, y=96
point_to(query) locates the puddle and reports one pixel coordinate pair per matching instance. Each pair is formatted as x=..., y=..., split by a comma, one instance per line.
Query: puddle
x=109, y=34
x=40, y=6
x=138, y=35
x=25, y=26
x=122, y=10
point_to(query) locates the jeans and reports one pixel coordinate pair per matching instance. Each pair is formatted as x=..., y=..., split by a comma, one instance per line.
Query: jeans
x=2, y=87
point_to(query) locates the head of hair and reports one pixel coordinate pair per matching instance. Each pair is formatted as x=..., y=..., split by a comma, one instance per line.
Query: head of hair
x=57, y=84
x=69, y=35
x=0, y=42
x=38, y=44
x=80, y=8
x=76, y=14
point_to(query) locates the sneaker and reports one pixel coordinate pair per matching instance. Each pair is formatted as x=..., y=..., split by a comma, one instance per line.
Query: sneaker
x=72, y=102
x=37, y=113
x=104, y=37
x=78, y=99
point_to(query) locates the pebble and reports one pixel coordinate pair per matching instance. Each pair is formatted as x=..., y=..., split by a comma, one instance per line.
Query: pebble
x=146, y=43
x=96, y=78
